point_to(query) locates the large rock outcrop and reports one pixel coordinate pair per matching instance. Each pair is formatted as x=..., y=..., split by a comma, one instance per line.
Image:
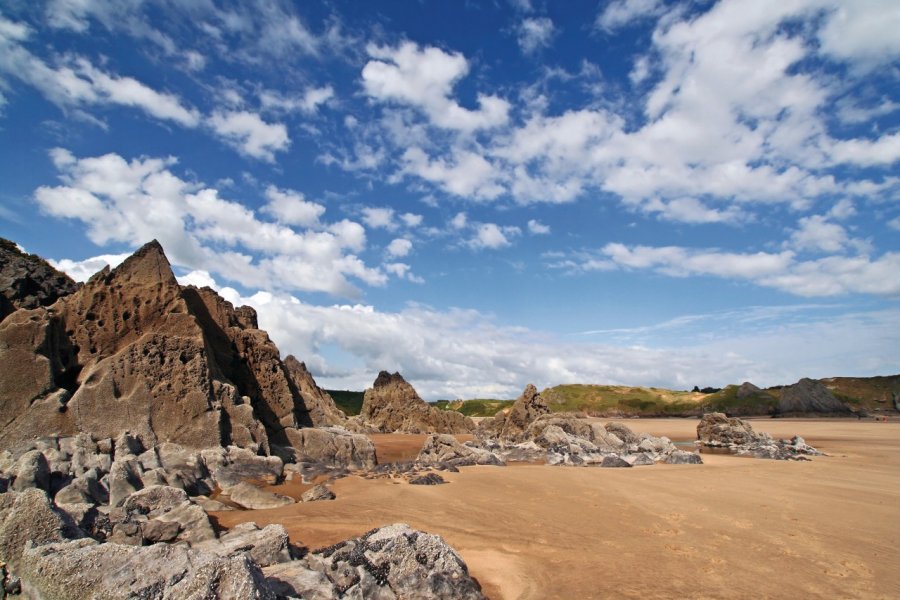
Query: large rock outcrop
x=511, y=426
x=809, y=396
x=29, y=281
x=392, y=404
x=716, y=430
x=132, y=350
x=321, y=408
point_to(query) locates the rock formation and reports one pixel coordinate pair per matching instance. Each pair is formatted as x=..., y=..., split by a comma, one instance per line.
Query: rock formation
x=392, y=404
x=809, y=396
x=321, y=408
x=28, y=281
x=511, y=426
x=132, y=350
x=718, y=431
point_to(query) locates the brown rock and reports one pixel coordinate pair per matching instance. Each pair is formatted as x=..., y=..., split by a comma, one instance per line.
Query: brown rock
x=321, y=408
x=716, y=429
x=392, y=404
x=511, y=427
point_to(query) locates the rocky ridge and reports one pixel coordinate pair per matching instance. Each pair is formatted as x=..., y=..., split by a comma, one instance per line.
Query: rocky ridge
x=28, y=281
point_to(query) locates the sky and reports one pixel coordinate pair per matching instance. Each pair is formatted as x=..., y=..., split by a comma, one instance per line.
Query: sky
x=481, y=195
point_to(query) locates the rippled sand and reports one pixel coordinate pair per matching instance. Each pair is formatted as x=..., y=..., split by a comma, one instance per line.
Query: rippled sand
x=731, y=528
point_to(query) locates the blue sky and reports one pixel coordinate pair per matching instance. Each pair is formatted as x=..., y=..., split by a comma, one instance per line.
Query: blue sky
x=481, y=194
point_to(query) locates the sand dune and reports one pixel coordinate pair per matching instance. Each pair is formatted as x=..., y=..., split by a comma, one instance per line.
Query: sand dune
x=732, y=528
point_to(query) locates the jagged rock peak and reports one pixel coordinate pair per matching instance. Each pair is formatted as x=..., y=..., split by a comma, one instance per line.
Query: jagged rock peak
x=322, y=409
x=148, y=264
x=29, y=281
x=385, y=379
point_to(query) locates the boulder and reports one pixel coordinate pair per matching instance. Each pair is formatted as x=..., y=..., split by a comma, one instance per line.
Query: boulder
x=164, y=510
x=392, y=404
x=84, y=570
x=296, y=580
x=254, y=498
x=242, y=465
x=445, y=449
x=682, y=457
x=32, y=471
x=809, y=396
x=427, y=479
x=316, y=493
x=716, y=429
x=30, y=519
x=614, y=461
x=396, y=561
x=85, y=489
x=334, y=446
x=267, y=546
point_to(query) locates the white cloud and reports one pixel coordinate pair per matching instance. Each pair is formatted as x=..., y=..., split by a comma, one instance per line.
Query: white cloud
x=411, y=220
x=883, y=151
x=538, y=228
x=132, y=202
x=467, y=175
x=459, y=221
x=249, y=134
x=291, y=208
x=82, y=270
x=621, y=13
x=894, y=223
x=461, y=353
x=863, y=32
x=399, y=247
x=535, y=33
x=491, y=235
x=424, y=78
x=309, y=102
x=817, y=233
x=379, y=217
x=198, y=279
x=829, y=276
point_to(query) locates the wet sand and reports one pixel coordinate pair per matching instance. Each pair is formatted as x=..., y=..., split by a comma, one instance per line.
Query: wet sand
x=731, y=528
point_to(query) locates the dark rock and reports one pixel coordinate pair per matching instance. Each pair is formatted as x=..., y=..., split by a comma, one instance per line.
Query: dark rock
x=681, y=457
x=427, y=479
x=614, y=461
x=28, y=281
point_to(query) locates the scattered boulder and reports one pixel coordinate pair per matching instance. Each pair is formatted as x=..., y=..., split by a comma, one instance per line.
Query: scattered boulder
x=254, y=498
x=396, y=561
x=445, y=449
x=682, y=457
x=392, y=404
x=32, y=471
x=335, y=447
x=716, y=429
x=267, y=546
x=427, y=479
x=296, y=580
x=614, y=461
x=316, y=493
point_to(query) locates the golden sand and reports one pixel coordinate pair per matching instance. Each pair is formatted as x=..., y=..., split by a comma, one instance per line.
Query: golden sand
x=731, y=528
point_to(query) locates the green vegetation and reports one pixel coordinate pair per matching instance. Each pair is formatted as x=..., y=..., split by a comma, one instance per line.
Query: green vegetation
x=347, y=401
x=871, y=393
x=621, y=400
x=763, y=402
x=479, y=407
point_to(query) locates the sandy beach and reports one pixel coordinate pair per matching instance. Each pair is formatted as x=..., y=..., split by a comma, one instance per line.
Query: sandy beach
x=732, y=528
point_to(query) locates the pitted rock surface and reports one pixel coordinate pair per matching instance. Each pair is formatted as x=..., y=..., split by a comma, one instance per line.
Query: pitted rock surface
x=392, y=404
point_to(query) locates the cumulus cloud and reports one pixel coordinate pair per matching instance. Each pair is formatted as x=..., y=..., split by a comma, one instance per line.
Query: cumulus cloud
x=538, y=228
x=411, y=219
x=535, y=33
x=492, y=236
x=621, y=13
x=461, y=353
x=424, y=78
x=380, y=217
x=308, y=102
x=249, y=134
x=291, y=208
x=82, y=270
x=466, y=174
x=131, y=202
x=399, y=247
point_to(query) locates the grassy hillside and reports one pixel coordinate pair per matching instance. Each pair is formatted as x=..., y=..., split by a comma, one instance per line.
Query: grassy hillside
x=871, y=393
x=347, y=401
x=602, y=400
x=479, y=407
